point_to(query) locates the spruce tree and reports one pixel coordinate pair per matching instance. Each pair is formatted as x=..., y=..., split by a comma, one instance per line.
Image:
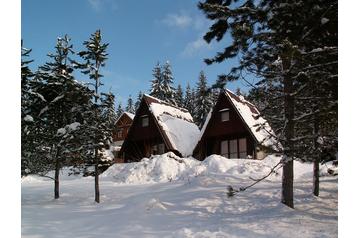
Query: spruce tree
x=167, y=84
x=130, y=106
x=139, y=99
x=179, y=97
x=156, y=89
x=293, y=44
x=119, y=109
x=95, y=56
x=26, y=118
x=188, y=101
x=57, y=111
x=203, y=100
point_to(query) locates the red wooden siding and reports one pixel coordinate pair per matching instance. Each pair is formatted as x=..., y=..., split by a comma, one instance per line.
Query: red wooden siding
x=217, y=131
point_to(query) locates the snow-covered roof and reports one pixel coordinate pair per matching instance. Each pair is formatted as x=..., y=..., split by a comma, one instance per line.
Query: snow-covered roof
x=176, y=123
x=130, y=115
x=258, y=126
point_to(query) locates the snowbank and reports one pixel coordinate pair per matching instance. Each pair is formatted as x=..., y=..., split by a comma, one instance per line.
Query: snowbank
x=168, y=167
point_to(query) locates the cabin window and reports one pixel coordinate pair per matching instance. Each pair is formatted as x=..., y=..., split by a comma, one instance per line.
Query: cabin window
x=233, y=148
x=158, y=149
x=228, y=148
x=145, y=121
x=120, y=133
x=154, y=150
x=161, y=149
x=224, y=114
x=243, y=148
x=224, y=149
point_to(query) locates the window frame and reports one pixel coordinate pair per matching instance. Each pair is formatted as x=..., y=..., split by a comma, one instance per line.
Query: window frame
x=225, y=111
x=242, y=149
x=145, y=118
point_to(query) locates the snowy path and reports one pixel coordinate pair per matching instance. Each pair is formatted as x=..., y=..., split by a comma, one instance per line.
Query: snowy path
x=195, y=208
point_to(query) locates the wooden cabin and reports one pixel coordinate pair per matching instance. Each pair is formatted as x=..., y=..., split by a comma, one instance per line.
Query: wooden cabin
x=234, y=128
x=120, y=133
x=157, y=128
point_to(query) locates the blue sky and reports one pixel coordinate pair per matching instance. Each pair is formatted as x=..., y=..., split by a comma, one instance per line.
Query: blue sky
x=140, y=33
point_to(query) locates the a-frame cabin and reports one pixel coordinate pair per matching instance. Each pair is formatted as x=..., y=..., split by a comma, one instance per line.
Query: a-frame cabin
x=119, y=134
x=157, y=128
x=234, y=128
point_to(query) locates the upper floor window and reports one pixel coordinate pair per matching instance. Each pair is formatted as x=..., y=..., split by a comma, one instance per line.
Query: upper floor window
x=120, y=133
x=224, y=114
x=145, y=121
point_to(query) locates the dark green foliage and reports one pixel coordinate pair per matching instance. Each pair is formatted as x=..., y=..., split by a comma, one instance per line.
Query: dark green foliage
x=156, y=89
x=130, y=105
x=203, y=100
x=162, y=83
x=292, y=49
x=98, y=129
x=139, y=99
x=189, y=99
x=179, y=97
x=119, y=109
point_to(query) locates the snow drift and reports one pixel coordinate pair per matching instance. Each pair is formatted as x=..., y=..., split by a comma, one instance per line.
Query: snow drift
x=169, y=167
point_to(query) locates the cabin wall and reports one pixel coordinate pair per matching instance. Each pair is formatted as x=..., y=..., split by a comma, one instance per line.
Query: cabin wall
x=140, y=140
x=123, y=123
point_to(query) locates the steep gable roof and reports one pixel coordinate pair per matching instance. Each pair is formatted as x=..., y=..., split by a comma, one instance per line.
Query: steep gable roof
x=250, y=115
x=130, y=115
x=175, y=124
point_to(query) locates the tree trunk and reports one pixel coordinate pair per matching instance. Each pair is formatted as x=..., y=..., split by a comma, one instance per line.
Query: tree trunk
x=57, y=178
x=287, y=170
x=96, y=182
x=287, y=184
x=316, y=177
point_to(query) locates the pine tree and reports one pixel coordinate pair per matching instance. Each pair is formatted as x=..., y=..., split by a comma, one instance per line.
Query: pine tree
x=130, y=106
x=139, y=99
x=26, y=118
x=203, y=100
x=119, y=109
x=156, y=89
x=95, y=56
x=167, y=84
x=57, y=110
x=179, y=96
x=188, y=101
x=294, y=43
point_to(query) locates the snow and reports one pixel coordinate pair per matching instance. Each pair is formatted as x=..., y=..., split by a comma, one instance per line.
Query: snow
x=324, y=20
x=253, y=119
x=196, y=206
x=178, y=125
x=131, y=115
x=68, y=128
x=58, y=98
x=28, y=118
x=73, y=126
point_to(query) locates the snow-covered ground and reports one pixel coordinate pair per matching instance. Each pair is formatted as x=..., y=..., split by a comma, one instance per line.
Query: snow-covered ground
x=167, y=196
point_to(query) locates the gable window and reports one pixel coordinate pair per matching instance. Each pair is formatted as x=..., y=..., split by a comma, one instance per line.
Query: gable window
x=242, y=147
x=224, y=114
x=145, y=121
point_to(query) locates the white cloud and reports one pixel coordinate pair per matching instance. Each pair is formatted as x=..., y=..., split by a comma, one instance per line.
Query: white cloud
x=195, y=47
x=181, y=20
x=98, y=5
x=95, y=4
